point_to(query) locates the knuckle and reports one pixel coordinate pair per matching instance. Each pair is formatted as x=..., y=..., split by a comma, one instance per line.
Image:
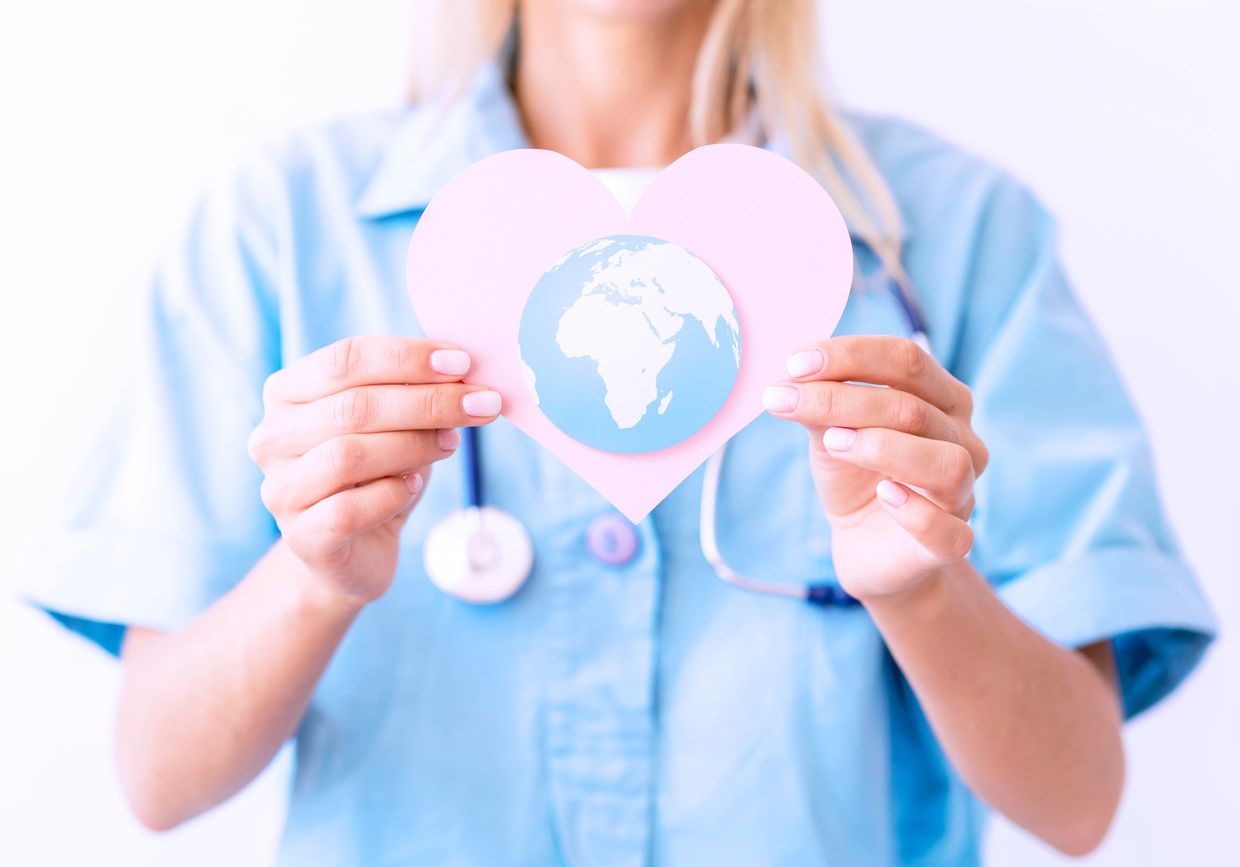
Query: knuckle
x=842, y=355
x=269, y=493
x=266, y=442
x=966, y=509
x=912, y=358
x=342, y=358
x=981, y=455
x=823, y=399
x=960, y=541
x=957, y=465
x=339, y=518
x=256, y=444
x=404, y=357
x=314, y=547
x=345, y=457
x=271, y=387
x=435, y=405
x=911, y=413
x=964, y=400
x=306, y=538
x=279, y=495
x=878, y=443
x=353, y=409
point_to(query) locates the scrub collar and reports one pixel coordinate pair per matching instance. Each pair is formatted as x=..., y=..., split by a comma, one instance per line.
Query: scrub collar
x=435, y=141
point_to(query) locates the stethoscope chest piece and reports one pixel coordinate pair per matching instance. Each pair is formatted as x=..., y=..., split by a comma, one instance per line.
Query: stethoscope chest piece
x=480, y=555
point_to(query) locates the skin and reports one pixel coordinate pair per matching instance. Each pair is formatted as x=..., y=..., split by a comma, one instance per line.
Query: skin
x=351, y=431
x=1032, y=728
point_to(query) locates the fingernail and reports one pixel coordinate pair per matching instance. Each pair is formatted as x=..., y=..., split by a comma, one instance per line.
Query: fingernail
x=448, y=438
x=839, y=439
x=781, y=398
x=481, y=404
x=891, y=493
x=413, y=481
x=450, y=362
x=805, y=363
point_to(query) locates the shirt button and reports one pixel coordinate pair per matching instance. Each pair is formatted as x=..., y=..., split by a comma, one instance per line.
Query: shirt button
x=611, y=539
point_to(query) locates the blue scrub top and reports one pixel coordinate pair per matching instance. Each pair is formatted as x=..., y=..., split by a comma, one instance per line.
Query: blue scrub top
x=640, y=713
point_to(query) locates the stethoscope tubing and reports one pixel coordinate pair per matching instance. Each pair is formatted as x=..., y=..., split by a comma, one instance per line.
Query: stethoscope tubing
x=468, y=527
x=471, y=453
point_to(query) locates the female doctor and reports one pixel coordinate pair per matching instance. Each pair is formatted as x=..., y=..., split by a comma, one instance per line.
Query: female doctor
x=250, y=539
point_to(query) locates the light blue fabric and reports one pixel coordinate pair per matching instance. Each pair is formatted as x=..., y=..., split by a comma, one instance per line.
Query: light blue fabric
x=645, y=713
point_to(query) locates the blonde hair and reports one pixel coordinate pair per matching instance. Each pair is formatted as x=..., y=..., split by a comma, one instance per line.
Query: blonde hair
x=759, y=53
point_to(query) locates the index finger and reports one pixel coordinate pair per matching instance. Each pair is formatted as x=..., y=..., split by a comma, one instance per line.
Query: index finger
x=882, y=360
x=358, y=361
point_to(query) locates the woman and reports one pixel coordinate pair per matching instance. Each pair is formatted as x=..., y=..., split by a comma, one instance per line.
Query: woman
x=628, y=709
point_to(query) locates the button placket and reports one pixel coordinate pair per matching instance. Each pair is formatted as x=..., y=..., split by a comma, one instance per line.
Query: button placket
x=603, y=599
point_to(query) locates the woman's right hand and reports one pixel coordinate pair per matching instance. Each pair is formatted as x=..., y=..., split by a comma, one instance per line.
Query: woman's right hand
x=346, y=443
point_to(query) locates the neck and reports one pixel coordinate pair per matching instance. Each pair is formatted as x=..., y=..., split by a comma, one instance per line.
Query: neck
x=606, y=91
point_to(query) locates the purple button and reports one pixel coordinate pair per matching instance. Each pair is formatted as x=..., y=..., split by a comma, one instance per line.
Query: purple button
x=611, y=539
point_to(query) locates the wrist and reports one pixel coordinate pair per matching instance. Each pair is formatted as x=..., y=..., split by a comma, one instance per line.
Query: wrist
x=923, y=600
x=311, y=594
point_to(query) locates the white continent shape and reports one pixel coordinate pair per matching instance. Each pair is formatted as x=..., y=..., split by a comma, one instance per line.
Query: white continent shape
x=627, y=321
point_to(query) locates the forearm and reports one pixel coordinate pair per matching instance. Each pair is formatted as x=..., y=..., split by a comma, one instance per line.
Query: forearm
x=1033, y=728
x=205, y=708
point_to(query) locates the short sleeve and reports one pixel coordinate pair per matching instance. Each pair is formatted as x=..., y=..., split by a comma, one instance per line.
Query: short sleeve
x=1069, y=524
x=165, y=514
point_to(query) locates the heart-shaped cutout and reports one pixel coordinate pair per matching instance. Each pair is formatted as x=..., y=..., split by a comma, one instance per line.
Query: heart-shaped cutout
x=765, y=227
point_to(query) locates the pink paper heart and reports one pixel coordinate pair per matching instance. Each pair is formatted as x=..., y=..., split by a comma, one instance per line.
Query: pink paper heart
x=764, y=226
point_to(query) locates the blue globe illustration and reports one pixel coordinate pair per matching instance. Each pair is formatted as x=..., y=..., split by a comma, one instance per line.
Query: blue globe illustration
x=630, y=344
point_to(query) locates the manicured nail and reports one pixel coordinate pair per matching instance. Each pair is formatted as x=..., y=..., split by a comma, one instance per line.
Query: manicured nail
x=413, y=481
x=805, y=363
x=781, y=398
x=481, y=404
x=448, y=438
x=839, y=439
x=892, y=494
x=450, y=362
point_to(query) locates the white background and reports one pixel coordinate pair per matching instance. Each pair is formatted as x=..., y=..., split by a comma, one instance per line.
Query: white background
x=1122, y=115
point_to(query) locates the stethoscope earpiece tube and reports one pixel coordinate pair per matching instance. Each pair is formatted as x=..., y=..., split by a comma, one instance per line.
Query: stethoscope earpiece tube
x=483, y=554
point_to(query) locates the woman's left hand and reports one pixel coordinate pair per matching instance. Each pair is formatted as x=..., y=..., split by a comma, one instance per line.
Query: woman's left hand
x=894, y=465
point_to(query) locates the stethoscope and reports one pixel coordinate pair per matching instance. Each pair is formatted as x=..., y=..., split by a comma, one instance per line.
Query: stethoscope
x=483, y=554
